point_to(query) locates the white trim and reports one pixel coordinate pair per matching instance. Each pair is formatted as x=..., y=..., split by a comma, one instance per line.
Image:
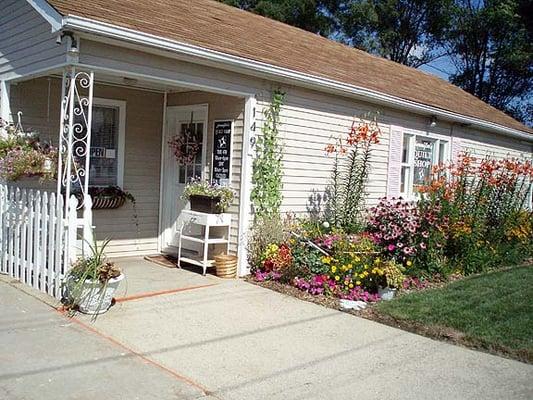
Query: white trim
x=161, y=174
x=5, y=103
x=246, y=185
x=437, y=140
x=48, y=13
x=241, y=63
x=121, y=105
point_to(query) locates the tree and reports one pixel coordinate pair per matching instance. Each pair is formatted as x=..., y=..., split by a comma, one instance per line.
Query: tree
x=490, y=43
x=312, y=15
x=405, y=31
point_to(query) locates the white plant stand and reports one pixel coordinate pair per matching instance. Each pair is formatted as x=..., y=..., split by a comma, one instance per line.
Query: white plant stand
x=207, y=221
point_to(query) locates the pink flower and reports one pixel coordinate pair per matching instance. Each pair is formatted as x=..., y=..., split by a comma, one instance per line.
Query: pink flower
x=391, y=247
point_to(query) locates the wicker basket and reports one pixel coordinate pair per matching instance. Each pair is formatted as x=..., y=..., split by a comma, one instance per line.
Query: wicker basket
x=226, y=266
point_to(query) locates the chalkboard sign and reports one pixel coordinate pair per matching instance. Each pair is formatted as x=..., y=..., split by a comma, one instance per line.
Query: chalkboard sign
x=222, y=152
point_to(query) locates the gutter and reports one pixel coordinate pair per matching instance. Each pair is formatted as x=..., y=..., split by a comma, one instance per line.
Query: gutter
x=235, y=62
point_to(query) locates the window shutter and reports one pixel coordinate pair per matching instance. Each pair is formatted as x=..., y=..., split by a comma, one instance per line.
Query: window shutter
x=395, y=162
x=456, y=149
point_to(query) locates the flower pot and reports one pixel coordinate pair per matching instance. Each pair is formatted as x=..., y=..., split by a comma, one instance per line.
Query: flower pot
x=226, y=266
x=386, y=293
x=205, y=204
x=93, y=297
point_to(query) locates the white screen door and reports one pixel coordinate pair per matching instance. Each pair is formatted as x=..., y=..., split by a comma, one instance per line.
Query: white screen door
x=184, y=155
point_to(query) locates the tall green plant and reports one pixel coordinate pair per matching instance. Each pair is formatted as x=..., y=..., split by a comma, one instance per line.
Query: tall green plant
x=267, y=166
x=349, y=176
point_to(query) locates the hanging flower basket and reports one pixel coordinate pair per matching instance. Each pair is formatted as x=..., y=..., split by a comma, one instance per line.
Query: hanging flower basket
x=107, y=198
x=107, y=202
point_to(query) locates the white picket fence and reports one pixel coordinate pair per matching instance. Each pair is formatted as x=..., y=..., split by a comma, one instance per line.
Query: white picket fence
x=37, y=240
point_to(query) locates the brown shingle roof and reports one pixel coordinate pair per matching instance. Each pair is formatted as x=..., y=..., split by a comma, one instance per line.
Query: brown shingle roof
x=215, y=26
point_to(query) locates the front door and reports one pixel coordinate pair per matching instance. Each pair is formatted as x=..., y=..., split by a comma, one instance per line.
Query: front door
x=184, y=158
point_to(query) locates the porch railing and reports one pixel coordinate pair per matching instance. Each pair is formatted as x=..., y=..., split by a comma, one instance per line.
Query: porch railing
x=38, y=236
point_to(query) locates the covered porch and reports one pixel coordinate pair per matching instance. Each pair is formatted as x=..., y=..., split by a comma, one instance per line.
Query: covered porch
x=117, y=130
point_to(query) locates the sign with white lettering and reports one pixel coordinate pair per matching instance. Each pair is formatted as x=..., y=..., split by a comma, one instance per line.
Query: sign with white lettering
x=221, y=170
x=423, y=161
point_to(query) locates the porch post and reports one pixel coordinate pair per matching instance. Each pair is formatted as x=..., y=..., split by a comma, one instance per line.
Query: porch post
x=245, y=208
x=5, y=106
x=75, y=142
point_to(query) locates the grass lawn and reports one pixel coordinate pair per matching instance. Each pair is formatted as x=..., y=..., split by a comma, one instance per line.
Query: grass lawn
x=493, y=311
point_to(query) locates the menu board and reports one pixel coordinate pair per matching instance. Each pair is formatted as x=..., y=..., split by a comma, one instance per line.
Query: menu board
x=423, y=161
x=222, y=152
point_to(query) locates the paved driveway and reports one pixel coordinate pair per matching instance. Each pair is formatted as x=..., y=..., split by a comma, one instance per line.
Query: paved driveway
x=234, y=340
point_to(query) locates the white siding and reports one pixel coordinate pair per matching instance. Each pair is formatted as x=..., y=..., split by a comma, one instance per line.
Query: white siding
x=39, y=100
x=27, y=44
x=310, y=120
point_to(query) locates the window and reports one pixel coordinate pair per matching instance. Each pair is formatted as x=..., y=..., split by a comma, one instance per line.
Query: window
x=419, y=155
x=192, y=135
x=107, y=143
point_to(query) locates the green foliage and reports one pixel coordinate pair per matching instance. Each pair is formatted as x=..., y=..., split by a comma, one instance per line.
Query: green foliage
x=311, y=15
x=347, y=189
x=493, y=311
x=267, y=167
x=491, y=46
x=261, y=235
x=480, y=205
x=405, y=31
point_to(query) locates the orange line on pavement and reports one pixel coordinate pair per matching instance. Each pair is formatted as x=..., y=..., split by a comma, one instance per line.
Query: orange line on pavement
x=189, y=381
x=159, y=293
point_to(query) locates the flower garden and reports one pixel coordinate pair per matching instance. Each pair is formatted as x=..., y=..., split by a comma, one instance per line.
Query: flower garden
x=469, y=217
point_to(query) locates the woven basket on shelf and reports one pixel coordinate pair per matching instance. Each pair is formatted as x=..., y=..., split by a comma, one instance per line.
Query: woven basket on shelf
x=226, y=266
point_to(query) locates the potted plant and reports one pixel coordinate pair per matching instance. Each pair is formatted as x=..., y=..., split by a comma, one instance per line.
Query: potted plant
x=108, y=197
x=23, y=155
x=392, y=279
x=206, y=197
x=92, y=281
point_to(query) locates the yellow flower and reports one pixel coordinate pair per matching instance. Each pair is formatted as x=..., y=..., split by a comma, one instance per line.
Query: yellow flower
x=326, y=260
x=350, y=285
x=365, y=273
x=361, y=275
x=409, y=263
x=366, y=266
x=358, y=282
x=333, y=269
x=357, y=259
x=337, y=277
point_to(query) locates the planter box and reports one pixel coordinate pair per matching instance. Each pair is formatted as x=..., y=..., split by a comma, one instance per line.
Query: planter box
x=205, y=204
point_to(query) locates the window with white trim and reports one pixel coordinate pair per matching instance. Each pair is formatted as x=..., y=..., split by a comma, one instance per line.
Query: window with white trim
x=419, y=155
x=107, y=143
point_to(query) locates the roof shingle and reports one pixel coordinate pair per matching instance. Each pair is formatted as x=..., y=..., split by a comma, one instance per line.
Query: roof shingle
x=216, y=26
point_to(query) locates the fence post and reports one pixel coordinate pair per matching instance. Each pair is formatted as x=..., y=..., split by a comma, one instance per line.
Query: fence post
x=3, y=235
x=72, y=229
x=87, y=223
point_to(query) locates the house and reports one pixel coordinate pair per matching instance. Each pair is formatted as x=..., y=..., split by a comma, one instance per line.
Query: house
x=154, y=68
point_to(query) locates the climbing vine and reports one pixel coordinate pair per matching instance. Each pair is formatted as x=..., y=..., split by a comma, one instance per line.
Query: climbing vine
x=267, y=166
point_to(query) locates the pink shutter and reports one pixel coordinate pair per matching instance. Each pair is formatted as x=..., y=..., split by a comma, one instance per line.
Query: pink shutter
x=395, y=162
x=456, y=149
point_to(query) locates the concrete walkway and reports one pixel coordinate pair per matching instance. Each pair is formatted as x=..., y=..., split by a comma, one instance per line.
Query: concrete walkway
x=235, y=341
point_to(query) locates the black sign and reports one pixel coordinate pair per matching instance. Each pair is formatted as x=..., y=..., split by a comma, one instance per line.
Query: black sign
x=222, y=152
